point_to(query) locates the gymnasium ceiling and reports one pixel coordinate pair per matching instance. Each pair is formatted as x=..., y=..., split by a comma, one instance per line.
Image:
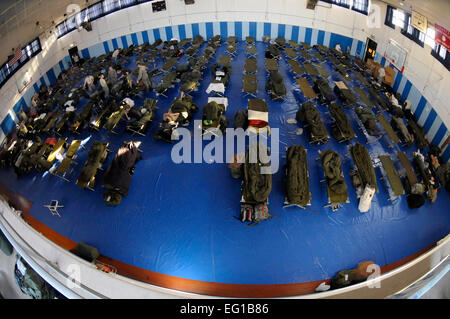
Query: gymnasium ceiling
x=23, y=15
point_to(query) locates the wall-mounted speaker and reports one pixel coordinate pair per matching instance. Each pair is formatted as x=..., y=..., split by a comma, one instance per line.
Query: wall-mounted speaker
x=87, y=26
x=189, y=1
x=159, y=6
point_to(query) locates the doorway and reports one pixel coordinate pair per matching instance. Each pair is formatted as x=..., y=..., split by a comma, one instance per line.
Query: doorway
x=371, y=49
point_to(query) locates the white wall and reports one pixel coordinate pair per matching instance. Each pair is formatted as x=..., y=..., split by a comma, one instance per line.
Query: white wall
x=423, y=70
x=426, y=73
x=141, y=18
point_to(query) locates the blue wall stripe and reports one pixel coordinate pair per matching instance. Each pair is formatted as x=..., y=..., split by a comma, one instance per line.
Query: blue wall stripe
x=224, y=30
x=42, y=81
x=252, y=29
x=281, y=30
x=106, y=46
x=398, y=79
x=156, y=34
x=8, y=124
x=430, y=120
x=294, y=35
x=182, y=31
x=145, y=37
x=36, y=87
x=20, y=104
x=308, y=34
x=115, y=44
x=238, y=30
x=209, y=30
x=267, y=29
x=406, y=91
x=195, y=30
x=61, y=65
x=439, y=135
x=320, y=37
x=169, y=33
x=134, y=38
x=51, y=76
x=420, y=107
x=85, y=54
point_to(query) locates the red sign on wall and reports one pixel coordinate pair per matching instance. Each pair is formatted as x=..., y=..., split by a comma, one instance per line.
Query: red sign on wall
x=442, y=36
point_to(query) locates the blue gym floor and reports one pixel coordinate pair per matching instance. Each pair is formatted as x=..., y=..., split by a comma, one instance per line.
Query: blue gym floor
x=180, y=220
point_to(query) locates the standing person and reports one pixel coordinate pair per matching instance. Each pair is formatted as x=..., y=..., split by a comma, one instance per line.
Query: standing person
x=381, y=74
x=128, y=79
x=104, y=85
x=115, y=55
x=338, y=47
x=143, y=75
x=112, y=76
x=76, y=59
x=89, y=83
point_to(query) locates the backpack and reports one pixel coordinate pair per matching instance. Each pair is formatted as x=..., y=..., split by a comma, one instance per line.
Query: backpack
x=254, y=213
x=241, y=119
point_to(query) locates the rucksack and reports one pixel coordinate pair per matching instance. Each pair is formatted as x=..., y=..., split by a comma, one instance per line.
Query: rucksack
x=241, y=119
x=254, y=213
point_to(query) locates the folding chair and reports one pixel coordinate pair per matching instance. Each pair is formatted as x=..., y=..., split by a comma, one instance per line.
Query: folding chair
x=250, y=85
x=53, y=207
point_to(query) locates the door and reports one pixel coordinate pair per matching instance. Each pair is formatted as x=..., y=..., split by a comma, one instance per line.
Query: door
x=74, y=52
x=371, y=49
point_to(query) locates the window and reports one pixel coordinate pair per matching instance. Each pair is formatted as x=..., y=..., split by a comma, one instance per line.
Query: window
x=29, y=51
x=361, y=6
x=399, y=18
x=341, y=3
x=127, y=3
x=61, y=29
x=390, y=17
x=36, y=45
x=110, y=6
x=95, y=11
x=441, y=54
x=412, y=33
x=24, y=56
x=71, y=23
